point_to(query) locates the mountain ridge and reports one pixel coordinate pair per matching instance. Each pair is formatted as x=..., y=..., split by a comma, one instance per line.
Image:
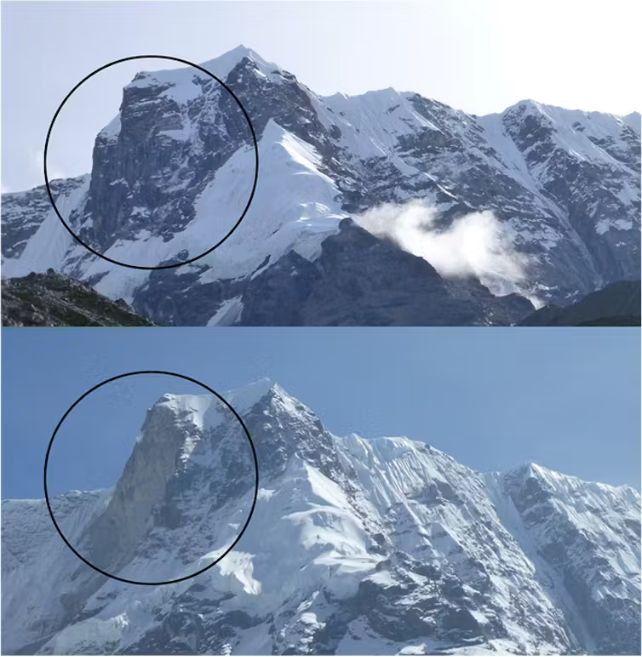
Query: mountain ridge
x=617, y=304
x=390, y=544
x=324, y=160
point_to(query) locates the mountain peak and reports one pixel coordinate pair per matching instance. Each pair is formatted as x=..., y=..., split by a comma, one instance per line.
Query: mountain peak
x=528, y=106
x=181, y=80
x=239, y=52
x=223, y=64
x=532, y=470
x=203, y=407
x=244, y=397
x=194, y=406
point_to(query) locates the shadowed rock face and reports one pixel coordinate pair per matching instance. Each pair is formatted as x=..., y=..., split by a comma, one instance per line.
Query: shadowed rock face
x=618, y=304
x=355, y=544
x=361, y=280
x=563, y=184
x=146, y=175
x=568, y=178
x=357, y=280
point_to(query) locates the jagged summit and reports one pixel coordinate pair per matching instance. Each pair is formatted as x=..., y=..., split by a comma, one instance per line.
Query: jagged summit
x=530, y=469
x=185, y=80
x=223, y=64
x=244, y=397
x=241, y=398
x=531, y=104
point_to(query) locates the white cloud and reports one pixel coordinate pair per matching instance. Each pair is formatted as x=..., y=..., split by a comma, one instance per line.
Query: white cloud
x=475, y=244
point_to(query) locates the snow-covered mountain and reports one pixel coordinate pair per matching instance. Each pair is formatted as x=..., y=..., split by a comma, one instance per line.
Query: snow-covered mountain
x=357, y=546
x=172, y=172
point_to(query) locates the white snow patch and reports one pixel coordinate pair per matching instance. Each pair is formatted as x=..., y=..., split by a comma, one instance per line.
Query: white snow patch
x=236, y=570
x=604, y=225
x=228, y=313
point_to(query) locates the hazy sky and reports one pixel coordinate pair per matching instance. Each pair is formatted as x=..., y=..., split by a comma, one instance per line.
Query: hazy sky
x=477, y=55
x=493, y=398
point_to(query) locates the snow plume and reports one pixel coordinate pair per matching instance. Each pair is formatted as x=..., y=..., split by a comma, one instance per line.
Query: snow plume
x=475, y=244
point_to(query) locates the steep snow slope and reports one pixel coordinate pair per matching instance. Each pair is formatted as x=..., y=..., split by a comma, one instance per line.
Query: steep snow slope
x=356, y=547
x=172, y=173
x=33, y=554
x=31, y=230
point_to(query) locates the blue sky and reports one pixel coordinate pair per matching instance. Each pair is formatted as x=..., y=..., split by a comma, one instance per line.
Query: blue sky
x=568, y=399
x=477, y=56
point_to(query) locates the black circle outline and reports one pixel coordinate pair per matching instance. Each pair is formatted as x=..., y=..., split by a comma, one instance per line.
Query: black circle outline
x=254, y=142
x=220, y=398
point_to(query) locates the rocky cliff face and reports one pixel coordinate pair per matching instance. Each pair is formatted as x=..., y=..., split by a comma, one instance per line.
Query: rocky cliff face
x=157, y=156
x=602, y=597
x=355, y=280
x=356, y=546
x=171, y=175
